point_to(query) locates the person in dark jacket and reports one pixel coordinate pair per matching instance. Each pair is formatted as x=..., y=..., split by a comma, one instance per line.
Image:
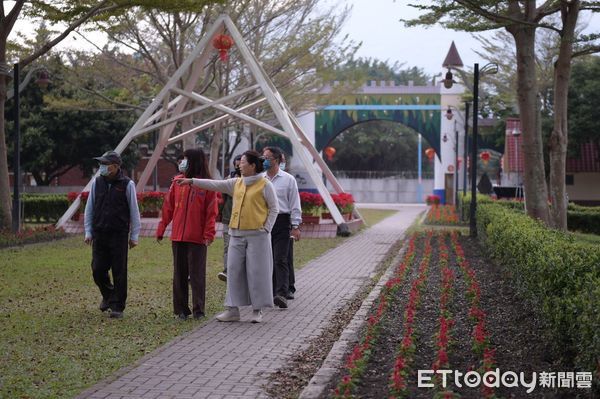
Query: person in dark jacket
x=226, y=216
x=112, y=222
x=193, y=212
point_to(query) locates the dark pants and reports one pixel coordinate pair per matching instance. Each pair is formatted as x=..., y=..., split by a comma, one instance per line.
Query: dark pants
x=280, y=241
x=109, y=252
x=189, y=259
x=292, y=279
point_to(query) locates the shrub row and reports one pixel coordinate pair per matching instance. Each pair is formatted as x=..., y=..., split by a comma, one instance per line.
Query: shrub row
x=560, y=276
x=44, y=207
x=584, y=219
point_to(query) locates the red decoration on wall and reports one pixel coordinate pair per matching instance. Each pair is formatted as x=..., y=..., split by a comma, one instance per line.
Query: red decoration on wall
x=329, y=153
x=430, y=152
x=222, y=43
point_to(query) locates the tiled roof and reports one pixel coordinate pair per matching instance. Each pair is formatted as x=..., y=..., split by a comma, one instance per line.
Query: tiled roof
x=588, y=160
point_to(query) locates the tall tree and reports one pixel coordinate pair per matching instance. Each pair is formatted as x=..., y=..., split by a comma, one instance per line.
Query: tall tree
x=522, y=19
x=70, y=14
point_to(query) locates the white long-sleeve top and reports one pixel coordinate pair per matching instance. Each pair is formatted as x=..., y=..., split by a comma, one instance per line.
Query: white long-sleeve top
x=228, y=186
x=287, y=195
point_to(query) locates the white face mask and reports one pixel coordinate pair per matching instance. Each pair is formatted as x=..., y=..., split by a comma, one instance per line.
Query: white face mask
x=104, y=170
x=183, y=165
x=282, y=166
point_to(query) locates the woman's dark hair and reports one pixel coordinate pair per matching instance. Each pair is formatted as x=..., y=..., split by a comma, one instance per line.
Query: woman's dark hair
x=276, y=151
x=197, y=164
x=254, y=158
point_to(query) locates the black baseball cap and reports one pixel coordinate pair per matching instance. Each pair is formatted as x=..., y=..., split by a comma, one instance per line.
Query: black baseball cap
x=109, y=157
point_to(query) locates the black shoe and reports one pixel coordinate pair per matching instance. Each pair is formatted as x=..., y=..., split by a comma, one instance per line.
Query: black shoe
x=290, y=295
x=222, y=276
x=198, y=316
x=280, y=302
x=182, y=316
x=115, y=314
x=104, y=306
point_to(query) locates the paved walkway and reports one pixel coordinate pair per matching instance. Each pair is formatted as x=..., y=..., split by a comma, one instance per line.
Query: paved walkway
x=233, y=360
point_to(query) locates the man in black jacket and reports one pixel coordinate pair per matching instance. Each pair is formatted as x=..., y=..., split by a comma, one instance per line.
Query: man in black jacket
x=111, y=212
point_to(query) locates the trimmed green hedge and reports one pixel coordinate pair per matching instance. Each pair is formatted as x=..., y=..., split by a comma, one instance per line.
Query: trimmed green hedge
x=584, y=219
x=44, y=207
x=561, y=276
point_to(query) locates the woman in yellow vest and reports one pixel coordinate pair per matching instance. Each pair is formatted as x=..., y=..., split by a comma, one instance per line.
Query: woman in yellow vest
x=249, y=259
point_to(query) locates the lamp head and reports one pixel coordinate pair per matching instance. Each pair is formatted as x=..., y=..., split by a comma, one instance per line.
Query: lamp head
x=448, y=81
x=43, y=79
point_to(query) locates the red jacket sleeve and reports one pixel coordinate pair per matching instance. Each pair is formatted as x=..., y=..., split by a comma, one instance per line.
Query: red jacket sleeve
x=211, y=210
x=167, y=211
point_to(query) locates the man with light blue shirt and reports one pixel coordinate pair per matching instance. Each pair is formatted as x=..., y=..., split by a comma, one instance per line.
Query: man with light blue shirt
x=287, y=224
x=112, y=225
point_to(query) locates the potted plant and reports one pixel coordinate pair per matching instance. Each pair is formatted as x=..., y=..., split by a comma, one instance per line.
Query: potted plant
x=311, y=204
x=72, y=196
x=432, y=200
x=344, y=203
x=150, y=203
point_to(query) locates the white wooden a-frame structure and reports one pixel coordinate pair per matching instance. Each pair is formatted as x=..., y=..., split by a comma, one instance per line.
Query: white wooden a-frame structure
x=168, y=108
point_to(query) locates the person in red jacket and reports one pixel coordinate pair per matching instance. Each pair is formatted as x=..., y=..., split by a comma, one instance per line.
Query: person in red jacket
x=193, y=212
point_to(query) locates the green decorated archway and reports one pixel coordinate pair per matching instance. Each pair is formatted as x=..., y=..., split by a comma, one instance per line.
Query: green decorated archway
x=421, y=112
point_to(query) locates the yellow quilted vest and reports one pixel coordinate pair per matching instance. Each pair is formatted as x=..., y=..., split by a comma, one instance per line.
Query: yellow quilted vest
x=250, y=210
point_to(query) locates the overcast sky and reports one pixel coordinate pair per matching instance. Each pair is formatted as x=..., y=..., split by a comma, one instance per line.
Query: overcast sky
x=376, y=23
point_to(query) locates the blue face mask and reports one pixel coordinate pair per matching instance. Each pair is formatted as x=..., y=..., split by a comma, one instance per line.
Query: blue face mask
x=282, y=166
x=104, y=170
x=183, y=165
x=267, y=164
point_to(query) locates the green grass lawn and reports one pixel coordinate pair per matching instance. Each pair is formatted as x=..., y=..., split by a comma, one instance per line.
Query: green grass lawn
x=54, y=342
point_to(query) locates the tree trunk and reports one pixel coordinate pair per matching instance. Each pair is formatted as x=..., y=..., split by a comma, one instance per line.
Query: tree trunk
x=5, y=207
x=536, y=192
x=559, y=138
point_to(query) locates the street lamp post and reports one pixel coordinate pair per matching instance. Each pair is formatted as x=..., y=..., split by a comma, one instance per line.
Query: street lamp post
x=16, y=211
x=466, y=147
x=473, y=209
x=42, y=81
x=490, y=68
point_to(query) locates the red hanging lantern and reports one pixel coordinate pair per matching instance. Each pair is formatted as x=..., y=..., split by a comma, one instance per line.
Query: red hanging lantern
x=430, y=152
x=329, y=153
x=222, y=43
x=485, y=157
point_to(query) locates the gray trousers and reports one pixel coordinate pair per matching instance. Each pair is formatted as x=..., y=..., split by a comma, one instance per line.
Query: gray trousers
x=250, y=270
x=225, y=246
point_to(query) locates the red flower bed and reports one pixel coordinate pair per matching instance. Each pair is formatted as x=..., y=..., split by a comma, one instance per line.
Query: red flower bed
x=442, y=214
x=441, y=313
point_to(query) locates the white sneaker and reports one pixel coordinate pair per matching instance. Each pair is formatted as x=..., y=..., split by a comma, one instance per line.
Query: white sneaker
x=256, y=316
x=231, y=314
